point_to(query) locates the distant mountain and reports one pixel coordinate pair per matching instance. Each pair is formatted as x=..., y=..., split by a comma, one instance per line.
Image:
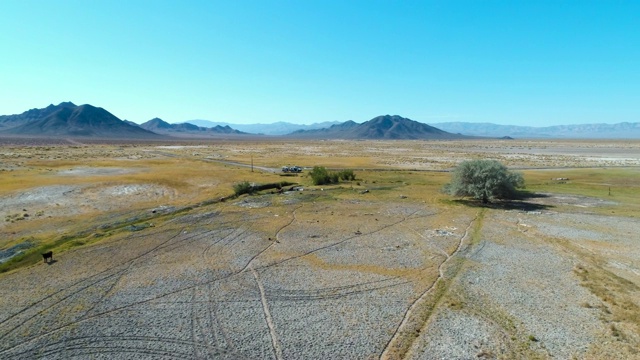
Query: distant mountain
x=278, y=128
x=162, y=127
x=67, y=119
x=9, y=121
x=131, y=122
x=159, y=125
x=380, y=127
x=623, y=130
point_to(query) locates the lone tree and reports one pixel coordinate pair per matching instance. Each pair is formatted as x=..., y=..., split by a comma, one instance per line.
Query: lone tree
x=484, y=180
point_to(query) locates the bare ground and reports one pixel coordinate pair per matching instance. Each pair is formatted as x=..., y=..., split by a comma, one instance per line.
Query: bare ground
x=277, y=282
x=328, y=274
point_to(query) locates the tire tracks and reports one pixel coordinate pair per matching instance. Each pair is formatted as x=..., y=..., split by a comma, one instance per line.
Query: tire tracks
x=405, y=218
x=334, y=292
x=167, y=245
x=223, y=340
x=277, y=350
x=119, y=274
x=89, y=343
x=293, y=219
x=393, y=342
x=33, y=304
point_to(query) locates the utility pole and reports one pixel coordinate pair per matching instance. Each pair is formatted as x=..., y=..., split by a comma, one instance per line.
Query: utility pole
x=252, y=163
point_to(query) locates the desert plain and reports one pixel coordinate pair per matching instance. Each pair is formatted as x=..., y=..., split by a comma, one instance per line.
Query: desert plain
x=154, y=257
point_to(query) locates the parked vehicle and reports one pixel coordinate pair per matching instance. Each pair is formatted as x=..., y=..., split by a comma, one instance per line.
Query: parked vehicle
x=292, y=169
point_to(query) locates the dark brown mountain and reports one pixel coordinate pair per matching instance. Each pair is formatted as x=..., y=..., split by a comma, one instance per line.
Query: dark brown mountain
x=389, y=127
x=162, y=127
x=9, y=121
x=69, y=120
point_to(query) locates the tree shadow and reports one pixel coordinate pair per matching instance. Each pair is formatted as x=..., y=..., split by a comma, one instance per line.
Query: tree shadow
x=525, y=195
x=518, y=203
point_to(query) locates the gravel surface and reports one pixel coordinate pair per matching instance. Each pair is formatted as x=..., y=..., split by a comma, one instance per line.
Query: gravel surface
x=201, y=285
x=316, y=278
x=460, y=335
x=613, y=239
x=519, y=296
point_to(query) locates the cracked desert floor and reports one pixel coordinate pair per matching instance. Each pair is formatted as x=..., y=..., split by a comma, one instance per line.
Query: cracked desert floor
x=154, y=258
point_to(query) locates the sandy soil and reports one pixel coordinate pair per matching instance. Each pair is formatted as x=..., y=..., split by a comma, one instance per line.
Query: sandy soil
x=46, y=208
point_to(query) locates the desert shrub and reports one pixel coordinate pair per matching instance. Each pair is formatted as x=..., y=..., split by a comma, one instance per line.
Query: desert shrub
x=347, y=175
x=321, y=176
x=243, y=188
x=247, y=188
x=484, y=180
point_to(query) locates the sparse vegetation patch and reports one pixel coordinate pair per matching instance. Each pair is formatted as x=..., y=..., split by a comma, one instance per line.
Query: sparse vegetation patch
x=321, y=176
x=244, y=187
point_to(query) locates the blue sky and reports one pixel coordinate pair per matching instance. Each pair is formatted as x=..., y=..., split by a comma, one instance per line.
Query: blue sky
x=533, y=63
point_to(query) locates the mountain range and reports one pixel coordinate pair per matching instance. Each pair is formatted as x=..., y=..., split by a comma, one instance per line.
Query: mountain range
x=69, y=120
x=277, y=128
x=160, y=126
x=388, y=127
x=381, y=127
x=624, y=130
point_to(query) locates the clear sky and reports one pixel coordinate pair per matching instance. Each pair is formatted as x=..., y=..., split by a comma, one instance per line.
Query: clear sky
x=514, y=62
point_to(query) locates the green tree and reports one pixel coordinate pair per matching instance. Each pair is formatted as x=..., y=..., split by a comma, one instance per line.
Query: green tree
x=484, y=180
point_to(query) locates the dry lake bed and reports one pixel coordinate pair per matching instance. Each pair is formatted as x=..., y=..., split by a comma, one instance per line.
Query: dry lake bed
x=154, y=258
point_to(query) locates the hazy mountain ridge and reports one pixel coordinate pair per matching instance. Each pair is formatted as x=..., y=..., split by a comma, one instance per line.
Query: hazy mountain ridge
x=160, y=126
x=277, y=128
x=67, y=119
x=345, y=126
x=624, y=130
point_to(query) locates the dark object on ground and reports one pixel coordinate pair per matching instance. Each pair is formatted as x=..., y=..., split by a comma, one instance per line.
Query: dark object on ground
x=48, y=256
